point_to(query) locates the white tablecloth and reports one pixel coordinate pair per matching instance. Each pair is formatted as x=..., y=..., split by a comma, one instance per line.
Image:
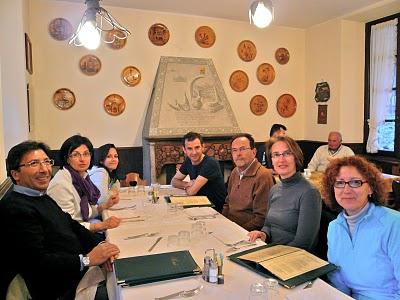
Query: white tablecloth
x=156, y=218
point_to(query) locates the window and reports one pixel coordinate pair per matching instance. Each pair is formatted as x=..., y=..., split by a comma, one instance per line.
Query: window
x=387, y=139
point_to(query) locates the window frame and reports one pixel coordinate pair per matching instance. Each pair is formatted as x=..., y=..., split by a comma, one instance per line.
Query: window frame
x=396, y=152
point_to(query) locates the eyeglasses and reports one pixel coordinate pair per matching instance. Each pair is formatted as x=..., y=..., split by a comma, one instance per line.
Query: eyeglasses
x=36, y=163
x=77, y=155
x=241, y=149
x=284, y=154
x=354, y=183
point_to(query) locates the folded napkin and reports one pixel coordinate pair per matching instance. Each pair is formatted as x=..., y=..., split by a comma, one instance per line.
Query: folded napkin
x=120, y=206
x=196, y=212
x=225, y=236
x=319, y=290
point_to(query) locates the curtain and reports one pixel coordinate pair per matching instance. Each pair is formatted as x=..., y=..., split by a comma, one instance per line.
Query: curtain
x=383, y=47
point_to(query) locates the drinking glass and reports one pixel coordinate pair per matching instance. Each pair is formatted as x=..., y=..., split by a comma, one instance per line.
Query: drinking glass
x=171, y=209
x=172, y=241
x=272, y=287
x=258, y=292
x=184, y=238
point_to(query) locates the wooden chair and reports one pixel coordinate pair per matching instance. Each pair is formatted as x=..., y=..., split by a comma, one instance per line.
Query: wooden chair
x=131, y=178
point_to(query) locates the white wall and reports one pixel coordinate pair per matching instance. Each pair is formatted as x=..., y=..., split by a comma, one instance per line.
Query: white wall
x=13, y=111
x=56, y=66
x=335, y=53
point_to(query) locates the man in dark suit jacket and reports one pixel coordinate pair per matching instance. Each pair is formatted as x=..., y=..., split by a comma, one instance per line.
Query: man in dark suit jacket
x=43, y=244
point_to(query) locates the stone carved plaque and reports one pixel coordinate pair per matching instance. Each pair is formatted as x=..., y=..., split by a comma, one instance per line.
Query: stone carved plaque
x=188, y=96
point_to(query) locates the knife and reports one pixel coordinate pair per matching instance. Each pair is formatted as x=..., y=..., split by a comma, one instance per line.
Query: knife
x=156, y=242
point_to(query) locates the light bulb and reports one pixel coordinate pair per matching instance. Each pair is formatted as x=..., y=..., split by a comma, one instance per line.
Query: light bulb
x=89, y=36
x=262, y=15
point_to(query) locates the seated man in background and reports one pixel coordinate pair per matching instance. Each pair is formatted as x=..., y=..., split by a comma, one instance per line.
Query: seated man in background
x=276, y=130
x=43, y=244
x=206, y=178
x=326, y=153
x=248, y=186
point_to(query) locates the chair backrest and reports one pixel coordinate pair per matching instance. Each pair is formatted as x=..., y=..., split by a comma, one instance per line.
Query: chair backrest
x=17, y=289
x=396, y=194
x=132, y=177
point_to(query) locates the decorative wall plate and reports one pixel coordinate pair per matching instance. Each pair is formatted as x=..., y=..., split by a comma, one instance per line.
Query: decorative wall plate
x=265, y=73
x=114, y=104
x=258, y=105
x=247, y=51
x=64, y=99
x=113, y=42
x=286, y=105
x=158, y=34
x=90, y=65
x=60, y=29
x=131, y=76
x=239, y=81
x=205, y=36
x=282, y=55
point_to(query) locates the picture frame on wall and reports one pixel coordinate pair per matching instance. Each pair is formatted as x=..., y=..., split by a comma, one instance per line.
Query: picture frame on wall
x=28, y=54
x=322, y=114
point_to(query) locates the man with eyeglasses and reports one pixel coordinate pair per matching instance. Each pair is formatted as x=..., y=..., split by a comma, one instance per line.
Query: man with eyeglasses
x=41, y=243
x=326, y=153
x=248, y=186
x=205, y=174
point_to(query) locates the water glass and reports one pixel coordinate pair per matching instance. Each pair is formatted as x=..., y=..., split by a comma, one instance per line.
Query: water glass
x=258, y=292
x=272, y=287
x=171, y=209
x=184, y=238
x=179, y=206
x=172, y=241
x=140, y=190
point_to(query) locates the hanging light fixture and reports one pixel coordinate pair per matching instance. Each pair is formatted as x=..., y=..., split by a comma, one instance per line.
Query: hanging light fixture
x=261, y=13
x=97, y=24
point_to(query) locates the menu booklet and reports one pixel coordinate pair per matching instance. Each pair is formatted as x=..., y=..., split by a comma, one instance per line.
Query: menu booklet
x=137, y=270
x=189, y=201
x=291, y=266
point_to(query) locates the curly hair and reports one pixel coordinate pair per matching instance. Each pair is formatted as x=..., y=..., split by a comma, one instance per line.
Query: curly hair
x=366, y=169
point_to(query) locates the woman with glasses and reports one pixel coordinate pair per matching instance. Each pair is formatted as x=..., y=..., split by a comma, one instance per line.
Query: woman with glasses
x=104, y=172
x=364, y=240
x=73, y=190
x=294, y=212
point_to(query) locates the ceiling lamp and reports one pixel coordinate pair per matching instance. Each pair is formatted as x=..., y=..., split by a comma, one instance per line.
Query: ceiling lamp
x=97, y=24
x=261, y=13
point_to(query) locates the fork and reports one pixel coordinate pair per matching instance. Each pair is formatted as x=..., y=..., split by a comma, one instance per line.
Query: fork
x=182, y=294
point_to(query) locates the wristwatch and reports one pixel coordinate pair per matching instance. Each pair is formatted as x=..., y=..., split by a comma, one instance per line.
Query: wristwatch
x=86, y=261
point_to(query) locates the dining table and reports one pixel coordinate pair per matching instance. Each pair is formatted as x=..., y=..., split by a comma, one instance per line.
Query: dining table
x=151, y=227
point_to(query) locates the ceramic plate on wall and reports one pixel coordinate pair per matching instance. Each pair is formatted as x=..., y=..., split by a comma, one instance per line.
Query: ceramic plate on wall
x=265, y=73
x=158, y=34
x=90, y=65
x=64, y=99
x=113, y=42
x=131, y=76
x=205, y=36
x=258, y=105
x=282, y=56
x=60, y=29
x=246, y=50
x=114, y=104
x=239, y=81
x=286, y=105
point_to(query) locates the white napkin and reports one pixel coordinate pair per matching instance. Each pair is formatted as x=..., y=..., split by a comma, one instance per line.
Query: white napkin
x=225, y=236
x=319, y=290
x=87, y=287
x=200, y=212
x=121, y=205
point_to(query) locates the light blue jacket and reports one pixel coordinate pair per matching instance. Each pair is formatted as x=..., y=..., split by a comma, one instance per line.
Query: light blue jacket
x=370, y=262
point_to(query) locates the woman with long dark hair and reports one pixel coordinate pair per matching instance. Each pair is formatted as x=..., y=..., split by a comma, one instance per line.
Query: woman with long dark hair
x=104, y=172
